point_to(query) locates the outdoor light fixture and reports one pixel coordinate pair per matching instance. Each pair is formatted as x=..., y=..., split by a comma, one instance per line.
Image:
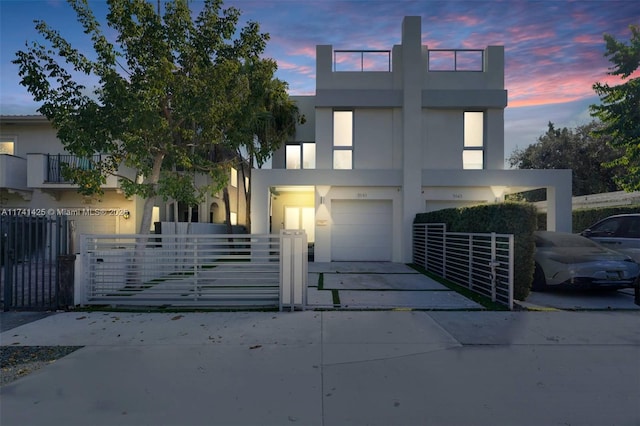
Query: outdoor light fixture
x=321, y=200
x=126, y=214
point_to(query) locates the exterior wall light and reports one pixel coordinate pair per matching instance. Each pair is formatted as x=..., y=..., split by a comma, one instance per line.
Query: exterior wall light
x=126, y=214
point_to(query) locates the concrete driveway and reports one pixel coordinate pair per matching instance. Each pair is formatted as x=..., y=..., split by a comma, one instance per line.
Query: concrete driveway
x=379, y=285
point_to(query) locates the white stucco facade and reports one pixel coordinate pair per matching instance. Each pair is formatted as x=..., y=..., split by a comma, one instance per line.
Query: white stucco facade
x=410, y=151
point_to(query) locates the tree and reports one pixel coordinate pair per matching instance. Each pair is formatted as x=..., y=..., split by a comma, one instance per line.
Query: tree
x=620, y=107
x=265, y=122
x=166, y=94
x=578, y=150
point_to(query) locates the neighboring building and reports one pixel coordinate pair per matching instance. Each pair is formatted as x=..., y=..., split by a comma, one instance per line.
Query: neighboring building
x=31, y=182
x=400, y=132
x=594, y=201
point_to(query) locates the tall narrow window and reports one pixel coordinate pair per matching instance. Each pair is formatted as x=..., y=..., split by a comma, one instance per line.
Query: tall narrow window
x=234, y=177
x=343, y=139
x=293, y=156
x=473, y=152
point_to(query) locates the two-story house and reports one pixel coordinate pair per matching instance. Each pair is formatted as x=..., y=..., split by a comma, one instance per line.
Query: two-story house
x=32, y=159
x=390, y=134
x=32, y=183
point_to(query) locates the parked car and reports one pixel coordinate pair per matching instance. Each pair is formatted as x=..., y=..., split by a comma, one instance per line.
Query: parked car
x=570, y=260
x=620, y=233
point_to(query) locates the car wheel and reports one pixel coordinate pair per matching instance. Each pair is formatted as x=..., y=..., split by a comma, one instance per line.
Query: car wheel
x=539, y=282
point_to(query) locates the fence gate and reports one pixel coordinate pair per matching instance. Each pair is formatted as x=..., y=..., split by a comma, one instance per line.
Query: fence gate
x=31, y=250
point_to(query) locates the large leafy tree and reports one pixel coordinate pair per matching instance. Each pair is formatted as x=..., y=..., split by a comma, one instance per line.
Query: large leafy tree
x=619, y=109
x=580, y=150
x=264, y=123
x=168, y=90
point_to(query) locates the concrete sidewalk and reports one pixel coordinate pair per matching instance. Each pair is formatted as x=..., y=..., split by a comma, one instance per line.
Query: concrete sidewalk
x=331, y=368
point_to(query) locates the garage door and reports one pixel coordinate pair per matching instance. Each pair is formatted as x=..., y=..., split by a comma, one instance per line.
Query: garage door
x=361, y=230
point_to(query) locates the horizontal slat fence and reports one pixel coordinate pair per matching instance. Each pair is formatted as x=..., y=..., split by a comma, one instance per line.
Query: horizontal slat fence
x=190, y=270
x=482, y=262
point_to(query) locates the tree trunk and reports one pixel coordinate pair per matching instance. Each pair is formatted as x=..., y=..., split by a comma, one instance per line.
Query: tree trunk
x=147, y=211
x=227, y=209
x=247, y=199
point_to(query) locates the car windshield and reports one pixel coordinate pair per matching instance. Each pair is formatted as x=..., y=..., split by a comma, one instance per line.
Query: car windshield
x=561, y=239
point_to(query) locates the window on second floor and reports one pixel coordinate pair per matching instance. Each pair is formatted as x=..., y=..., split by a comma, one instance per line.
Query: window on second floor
x=7, y=147
x=234, y=177
x=301, y=155
x=343, y=139
x=473, y=152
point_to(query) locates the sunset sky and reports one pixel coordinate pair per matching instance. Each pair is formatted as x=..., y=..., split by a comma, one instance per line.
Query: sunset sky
x=553, y=49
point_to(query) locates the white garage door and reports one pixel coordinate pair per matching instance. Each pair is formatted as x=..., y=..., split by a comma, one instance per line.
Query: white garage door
x=361, y=230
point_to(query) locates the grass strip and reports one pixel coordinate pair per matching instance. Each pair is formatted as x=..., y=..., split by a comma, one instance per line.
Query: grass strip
x=469, y=294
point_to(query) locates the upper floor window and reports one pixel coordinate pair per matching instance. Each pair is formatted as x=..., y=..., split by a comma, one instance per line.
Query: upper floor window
x=7, y=147
x=473, y=152
x=343, y=139
x=301, y=155
x=234, y=177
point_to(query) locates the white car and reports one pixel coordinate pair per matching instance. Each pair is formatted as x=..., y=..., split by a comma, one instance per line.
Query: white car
x=569, y=260
x=620, y=233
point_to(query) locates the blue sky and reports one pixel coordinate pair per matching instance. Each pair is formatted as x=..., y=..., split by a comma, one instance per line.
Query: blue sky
x=553, y=49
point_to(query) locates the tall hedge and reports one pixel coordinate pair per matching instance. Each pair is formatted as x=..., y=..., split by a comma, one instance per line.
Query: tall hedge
x=519, y=219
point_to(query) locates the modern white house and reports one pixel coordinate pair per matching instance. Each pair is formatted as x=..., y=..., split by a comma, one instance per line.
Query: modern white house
x=389, y=134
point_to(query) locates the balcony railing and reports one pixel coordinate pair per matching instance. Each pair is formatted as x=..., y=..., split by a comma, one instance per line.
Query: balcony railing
x=57, y=162
x=456, y=60
x=362, y=60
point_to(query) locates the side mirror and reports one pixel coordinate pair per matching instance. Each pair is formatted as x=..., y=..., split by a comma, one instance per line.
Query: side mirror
x=586, y=233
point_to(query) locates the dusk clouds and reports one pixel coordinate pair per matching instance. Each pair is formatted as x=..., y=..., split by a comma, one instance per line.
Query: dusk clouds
x=553, y=49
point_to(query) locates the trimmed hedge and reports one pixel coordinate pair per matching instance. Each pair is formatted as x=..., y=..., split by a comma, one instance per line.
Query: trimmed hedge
x=584, y=218
x=519, y=219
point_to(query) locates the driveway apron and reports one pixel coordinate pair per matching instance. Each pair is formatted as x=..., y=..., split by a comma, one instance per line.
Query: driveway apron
x=378, y=285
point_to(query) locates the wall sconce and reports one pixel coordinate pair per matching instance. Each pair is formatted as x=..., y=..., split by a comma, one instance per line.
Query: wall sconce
x=321, y=200
x=126, y=214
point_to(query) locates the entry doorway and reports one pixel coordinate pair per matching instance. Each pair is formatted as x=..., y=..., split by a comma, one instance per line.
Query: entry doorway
x=301, y=218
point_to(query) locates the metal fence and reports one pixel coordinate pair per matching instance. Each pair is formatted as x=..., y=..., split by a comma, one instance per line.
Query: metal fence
x=181, y=270
x=57, y=162
x=482, y=262
x=30, y=251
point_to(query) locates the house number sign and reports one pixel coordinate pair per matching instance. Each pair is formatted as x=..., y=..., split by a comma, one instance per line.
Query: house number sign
x=361, y=195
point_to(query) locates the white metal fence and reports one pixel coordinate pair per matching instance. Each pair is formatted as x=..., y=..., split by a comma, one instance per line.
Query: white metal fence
x=482, y=262
x=184, y=270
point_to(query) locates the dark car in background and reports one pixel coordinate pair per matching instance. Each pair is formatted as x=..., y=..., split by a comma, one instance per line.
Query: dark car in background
x=620, y=233
x=569, y=260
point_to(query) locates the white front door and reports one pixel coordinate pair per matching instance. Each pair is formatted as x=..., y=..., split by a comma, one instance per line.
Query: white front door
x=301, y=218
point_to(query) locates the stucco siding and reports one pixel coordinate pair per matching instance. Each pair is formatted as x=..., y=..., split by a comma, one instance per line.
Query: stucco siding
x=442, y=139
x=373, y=134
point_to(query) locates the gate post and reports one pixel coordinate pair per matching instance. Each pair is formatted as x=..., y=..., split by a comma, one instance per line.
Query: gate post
x=66, y=279
x=294, y=263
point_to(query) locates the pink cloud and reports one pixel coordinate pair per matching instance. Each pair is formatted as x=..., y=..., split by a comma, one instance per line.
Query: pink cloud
x=290, y=66
x=526, y=33
x=588, y=39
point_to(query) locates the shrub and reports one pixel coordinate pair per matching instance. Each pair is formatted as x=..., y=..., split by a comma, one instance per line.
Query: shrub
x=519, y=219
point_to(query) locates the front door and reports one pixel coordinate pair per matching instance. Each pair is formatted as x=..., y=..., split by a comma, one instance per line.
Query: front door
x=301, y=218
